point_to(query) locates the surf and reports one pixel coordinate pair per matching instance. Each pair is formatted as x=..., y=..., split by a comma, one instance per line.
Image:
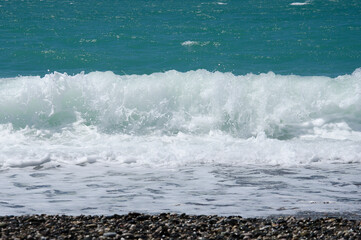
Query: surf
x=194, y=102
x=172, y=118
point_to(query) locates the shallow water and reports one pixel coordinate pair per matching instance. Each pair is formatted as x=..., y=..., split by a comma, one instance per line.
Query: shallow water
x=248, y=191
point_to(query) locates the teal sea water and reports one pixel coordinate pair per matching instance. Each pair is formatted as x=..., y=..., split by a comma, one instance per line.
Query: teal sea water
x=142, y=37
x=248, y=108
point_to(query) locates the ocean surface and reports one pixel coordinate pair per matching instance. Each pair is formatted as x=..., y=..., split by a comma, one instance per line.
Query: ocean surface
x=248, y=108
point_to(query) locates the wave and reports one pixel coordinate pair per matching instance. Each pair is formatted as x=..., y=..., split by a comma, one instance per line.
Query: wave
x=175, y=119
x=194, y=102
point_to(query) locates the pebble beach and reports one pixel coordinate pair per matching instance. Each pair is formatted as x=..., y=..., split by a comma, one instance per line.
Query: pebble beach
x=176, y=226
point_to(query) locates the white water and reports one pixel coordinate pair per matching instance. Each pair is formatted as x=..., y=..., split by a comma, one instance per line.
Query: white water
x=173, y=118
x=300, y=3
x=58, y=132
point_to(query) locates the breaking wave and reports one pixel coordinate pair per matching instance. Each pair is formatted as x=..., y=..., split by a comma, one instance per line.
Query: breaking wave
x=175, y=117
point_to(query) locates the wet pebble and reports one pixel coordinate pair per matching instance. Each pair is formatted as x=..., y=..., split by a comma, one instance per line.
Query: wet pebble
x=110, y=234
x=175, y=226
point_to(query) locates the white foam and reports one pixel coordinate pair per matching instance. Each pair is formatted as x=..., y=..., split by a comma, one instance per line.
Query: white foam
x=175, y=119
x=194, y=102
x=189, y=43
x=84, y=145
x=300, y=3
x=194, y=43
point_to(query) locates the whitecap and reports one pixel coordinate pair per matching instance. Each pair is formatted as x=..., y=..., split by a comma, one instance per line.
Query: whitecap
x=189, y=43
x=173, y=118
x=300, y=3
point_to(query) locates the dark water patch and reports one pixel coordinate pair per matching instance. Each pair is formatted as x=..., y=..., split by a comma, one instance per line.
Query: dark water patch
x=227, y=185
x=274, y=185
x=88, y=208
x=157, y=197
x=154, y=179
x=348, y=199
x=113, y=173
x=123, y=198
x=59, y=192
x=173, y=184
x=59, y=201
x=265, y=208
x=38, y=175
x=358, y=184
x=312, y=191
x=20, y=185
x=119, y=198
x=340, y=184
x=37, y=187
x=114, y=191
x=53, y=193
x=154, y=191
x=224, y=205
x=15, y=206
x=104, y=185
x=278, y=172
x=312, y=177
x=95, y=186
x=197, y=204
x=95, y=177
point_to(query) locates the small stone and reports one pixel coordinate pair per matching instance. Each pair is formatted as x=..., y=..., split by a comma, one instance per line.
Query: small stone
x=173, y=226
x=92, y=225
x=127, y=235
x=331, y=220
x=232, y=221
x=303, y=233
x=132, y=227
x=142, y=217
x=265, y=227
x=110, y=234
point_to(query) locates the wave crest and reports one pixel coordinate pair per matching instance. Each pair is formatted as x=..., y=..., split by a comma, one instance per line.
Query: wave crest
x=194, y=102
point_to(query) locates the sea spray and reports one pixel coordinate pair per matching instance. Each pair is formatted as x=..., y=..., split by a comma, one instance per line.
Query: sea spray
x=194, y=102
x=176, y=118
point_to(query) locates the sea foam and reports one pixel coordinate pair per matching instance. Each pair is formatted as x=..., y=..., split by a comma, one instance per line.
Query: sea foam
x=176, y=118
x=300, y=3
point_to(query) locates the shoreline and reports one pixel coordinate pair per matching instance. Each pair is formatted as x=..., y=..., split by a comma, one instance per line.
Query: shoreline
x=176, y=226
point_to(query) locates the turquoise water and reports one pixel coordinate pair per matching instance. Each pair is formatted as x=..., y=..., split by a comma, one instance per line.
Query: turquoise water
x=143, y=37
